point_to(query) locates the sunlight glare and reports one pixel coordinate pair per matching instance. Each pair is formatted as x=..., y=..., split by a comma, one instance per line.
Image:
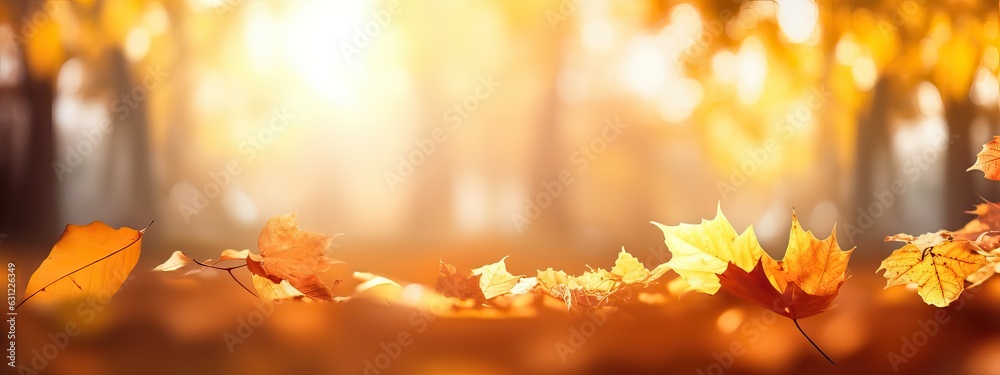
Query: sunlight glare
x=752, y=65
x=864, y=72
x=644, y=69
x=313, y=39
x=797, y=19
x=985, y=89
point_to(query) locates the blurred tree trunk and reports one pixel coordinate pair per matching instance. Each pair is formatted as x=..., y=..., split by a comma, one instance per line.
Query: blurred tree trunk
x=130, y=149
x=29, y=201
x=960, y=194
x=872, y=151
x=551, y=155
x=37, y=196
x=434, y=179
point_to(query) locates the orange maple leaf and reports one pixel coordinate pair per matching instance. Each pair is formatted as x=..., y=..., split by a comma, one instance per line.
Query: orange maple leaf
x=290, y=254
x=711, y=256
x=988, y=160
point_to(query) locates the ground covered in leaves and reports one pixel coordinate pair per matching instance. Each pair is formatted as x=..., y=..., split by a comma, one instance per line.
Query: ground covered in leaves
x=206, y=324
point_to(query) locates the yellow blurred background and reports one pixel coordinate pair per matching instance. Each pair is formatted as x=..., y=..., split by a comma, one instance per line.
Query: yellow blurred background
x=552, y=131
x=454, y=120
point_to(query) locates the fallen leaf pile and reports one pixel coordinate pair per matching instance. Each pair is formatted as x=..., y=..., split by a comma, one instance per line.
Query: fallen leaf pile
x=593, y=289
x=597, y=287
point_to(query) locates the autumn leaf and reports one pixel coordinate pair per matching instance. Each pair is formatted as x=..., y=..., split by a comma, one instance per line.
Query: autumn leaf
x=710, y=256
x=937, y=262
x=452, y=283
x=987, y=219
x=230, y=254
x=290, y=254
x=992, y=266
x=494, y=280
x=700, y=252
x=803, y=284
x=268, y=290
x=176, y=261
x=988, y=160
x=598, y=288
x=481, y=284
x=376, y=288
x=287, y=266
x=523, y=286
x=88, y=261
x=550, y=278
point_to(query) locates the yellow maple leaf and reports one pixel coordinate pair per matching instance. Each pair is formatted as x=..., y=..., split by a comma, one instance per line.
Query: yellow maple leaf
x=937, y=262
x=628, y=268
x=710, y=256
x=494, y=280
x=700, y=252
x=550, y=278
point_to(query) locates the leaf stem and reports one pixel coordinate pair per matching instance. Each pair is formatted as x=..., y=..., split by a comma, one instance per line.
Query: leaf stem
x=228, y=270
x=811, y=342
x=213, y=266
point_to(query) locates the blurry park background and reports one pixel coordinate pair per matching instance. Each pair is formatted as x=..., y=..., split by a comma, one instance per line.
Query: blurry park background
x=552, y=131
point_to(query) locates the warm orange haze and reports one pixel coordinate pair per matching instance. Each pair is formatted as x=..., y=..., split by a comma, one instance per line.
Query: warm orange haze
x=500, y=187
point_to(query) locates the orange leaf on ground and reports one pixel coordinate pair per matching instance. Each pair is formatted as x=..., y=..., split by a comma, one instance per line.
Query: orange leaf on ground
x=290, y=254
x=92, y=260
x=452, y=283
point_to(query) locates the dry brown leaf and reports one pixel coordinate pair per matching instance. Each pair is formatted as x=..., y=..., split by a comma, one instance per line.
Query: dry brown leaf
x=452, y=283
x=290, y=254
